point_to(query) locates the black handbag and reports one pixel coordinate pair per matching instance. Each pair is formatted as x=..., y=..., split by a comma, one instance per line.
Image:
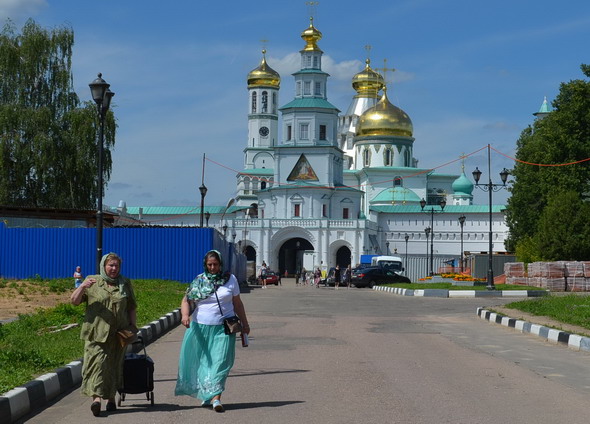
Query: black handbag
x=231, y=325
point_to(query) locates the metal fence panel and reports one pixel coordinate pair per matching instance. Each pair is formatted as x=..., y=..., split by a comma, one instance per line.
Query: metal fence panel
x=169, y=253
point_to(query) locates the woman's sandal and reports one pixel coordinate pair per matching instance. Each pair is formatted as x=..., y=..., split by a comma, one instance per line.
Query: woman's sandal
x=95, y=408
x=111, y=406
x=217, y=406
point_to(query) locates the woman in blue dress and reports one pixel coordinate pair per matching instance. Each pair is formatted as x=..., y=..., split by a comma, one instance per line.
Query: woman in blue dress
x=207, y=353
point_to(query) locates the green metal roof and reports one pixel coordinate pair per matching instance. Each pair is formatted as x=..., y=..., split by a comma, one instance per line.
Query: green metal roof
x=310, y=71
x=175, y=210
x=397, y=194
x=258, y=171
x=310, y=103
x=448, y=209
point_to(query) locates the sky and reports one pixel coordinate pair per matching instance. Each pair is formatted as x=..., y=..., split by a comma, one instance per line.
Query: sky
x=468, y=74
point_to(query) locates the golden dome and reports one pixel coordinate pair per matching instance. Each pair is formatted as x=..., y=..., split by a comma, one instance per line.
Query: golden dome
x=264, y=75
x=384, y=119
x=367, y=83
x=311, y=36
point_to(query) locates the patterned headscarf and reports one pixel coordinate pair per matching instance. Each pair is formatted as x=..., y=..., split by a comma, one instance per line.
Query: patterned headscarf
x=205, y=284
x=119, y=279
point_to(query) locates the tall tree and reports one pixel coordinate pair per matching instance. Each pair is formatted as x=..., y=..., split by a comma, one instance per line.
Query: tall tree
x=48, y=147
x=560, y=138
x=563, y=232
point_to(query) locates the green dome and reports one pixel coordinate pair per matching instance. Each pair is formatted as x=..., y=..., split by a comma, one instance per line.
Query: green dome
x=462, y=185
x=395, y=195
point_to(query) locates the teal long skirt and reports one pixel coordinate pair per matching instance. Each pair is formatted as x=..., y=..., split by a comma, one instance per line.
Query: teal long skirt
x=206, y=357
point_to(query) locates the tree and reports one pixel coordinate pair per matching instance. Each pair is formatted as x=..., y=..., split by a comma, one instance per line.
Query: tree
x=48, y=148
x=564, y=230
x=560, y=138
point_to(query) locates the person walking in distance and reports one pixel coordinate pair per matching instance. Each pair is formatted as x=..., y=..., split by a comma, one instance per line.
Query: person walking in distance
x=337, y=277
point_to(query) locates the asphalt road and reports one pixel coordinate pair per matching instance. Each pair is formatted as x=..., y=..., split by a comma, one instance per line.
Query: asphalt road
x=361, y=356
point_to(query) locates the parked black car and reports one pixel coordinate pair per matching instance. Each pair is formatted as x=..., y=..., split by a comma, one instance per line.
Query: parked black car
x=369, y=276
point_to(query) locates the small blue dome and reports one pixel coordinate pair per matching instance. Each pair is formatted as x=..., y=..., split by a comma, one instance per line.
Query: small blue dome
x=462, y=185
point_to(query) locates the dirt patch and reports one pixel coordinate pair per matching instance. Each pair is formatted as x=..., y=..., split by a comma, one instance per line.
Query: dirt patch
x=22, y=297
x=546, y=321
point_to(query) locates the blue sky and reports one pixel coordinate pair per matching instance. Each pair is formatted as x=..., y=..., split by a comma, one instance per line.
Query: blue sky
x=468, y=73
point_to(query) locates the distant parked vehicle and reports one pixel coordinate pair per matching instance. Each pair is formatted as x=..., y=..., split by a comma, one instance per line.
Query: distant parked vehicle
x=370, y=276
x=272, y=278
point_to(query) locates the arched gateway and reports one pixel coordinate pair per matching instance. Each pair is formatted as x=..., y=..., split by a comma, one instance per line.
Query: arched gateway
x=291, y=254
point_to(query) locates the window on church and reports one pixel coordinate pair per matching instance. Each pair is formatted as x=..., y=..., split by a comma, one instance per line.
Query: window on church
x=308, y=61
x=289, y=132
x=315, y=62
x=345, y=213
x=307, y=88
x=366, y=157
x=262, y=185
x=274, y=103
x=254, y=102
x=261, y=213
x=325, y=211
x=397, y=181
x=264, y=102
x=387, y=157
x=322, y=132
x=296, y=210
x=298, y=88
x=304, y=132
x=318, y=88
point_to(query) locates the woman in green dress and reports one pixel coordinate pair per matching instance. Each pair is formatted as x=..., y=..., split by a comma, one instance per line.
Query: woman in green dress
x=110, y=307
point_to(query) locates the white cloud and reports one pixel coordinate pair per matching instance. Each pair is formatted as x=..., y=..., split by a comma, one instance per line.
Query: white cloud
x=20, y=10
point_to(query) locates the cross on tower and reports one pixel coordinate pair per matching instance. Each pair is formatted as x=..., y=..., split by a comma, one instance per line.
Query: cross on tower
x=385, y=69
x=311, y=6
x=368, y=49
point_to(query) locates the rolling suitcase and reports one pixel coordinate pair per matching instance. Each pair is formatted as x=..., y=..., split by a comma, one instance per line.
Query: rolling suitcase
x=138, y=375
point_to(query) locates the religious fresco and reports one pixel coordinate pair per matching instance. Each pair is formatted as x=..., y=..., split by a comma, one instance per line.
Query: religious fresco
x=302, y=171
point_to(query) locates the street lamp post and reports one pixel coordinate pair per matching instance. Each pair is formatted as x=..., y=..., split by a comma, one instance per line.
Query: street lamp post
x=387, y=247
x=432, y=211
x=224, y=228
x=207, y=216
x=427, y=231
x=102, y=96
x=203, y=191
x=462, y=222
x=406, y=238
x=490, y=188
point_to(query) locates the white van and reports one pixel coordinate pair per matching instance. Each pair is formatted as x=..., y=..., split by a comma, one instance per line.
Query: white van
x=390, y=263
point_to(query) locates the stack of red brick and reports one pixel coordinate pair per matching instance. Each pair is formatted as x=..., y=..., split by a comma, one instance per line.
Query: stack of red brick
x=554, y=276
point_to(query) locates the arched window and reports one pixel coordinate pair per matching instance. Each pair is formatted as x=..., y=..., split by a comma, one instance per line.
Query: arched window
x=264, y=102
x=254, y=102
x=397, y=181
x=387, y=157
x=366, y=157
x=274, y=103
x=262, y=185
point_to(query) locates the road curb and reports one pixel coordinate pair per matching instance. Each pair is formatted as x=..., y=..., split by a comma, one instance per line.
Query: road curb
x=37, y=393
x=461, y=293
x=573, y=341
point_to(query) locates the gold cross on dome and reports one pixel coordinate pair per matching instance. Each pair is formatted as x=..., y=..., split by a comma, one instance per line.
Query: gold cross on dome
x=385, y=69
x=311, y=6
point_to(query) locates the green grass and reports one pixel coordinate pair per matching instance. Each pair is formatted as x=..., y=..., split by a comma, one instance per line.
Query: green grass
x=28, y=349
x=573, y=309
x=449, y=286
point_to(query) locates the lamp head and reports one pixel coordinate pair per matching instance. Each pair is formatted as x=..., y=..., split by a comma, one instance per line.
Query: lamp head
x=98, y=88
x=422, y=203
x=504, y=176
x=476, y=175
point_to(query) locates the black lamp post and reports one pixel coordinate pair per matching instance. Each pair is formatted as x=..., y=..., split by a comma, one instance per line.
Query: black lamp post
x=101, y=94
x=387, y=246
x=207, y=216
x=489, y=187
x=406, y=238
x=203, y=191
x=462, y=222
x=427, y=231
x=432, y=211
x=224, y=228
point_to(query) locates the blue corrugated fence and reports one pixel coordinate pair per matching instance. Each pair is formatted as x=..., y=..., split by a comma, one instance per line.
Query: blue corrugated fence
x=169, y=253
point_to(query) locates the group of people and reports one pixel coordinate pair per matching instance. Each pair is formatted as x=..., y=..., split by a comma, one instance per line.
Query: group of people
x=315, y=277
x=207, y=353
